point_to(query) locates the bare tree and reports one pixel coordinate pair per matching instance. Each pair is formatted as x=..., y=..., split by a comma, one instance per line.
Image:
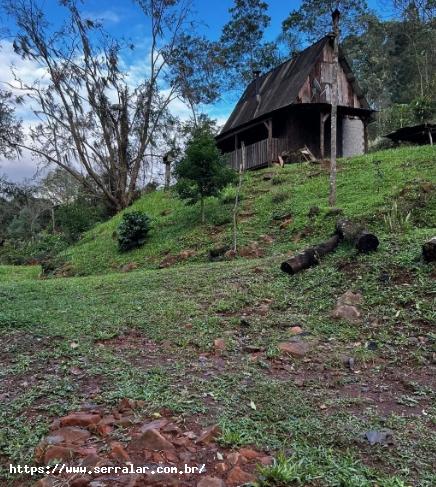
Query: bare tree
x=10, y=128
x=93, y=123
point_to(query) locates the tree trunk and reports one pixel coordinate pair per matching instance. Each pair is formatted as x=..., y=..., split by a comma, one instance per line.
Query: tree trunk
x=334, y=113
x=429, y=250
x=353, y=233
x=310, y=257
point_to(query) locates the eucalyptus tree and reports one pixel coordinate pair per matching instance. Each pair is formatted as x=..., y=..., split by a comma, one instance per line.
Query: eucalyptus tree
x=94, y=120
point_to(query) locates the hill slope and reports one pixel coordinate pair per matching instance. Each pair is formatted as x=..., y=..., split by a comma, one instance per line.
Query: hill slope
x=367, y=187
x=150, y=334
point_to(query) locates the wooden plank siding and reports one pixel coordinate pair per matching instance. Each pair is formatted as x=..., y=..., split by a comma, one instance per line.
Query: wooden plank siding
x=257, y=153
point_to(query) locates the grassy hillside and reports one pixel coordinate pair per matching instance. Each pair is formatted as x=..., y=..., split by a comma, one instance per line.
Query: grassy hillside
x=149, y=334
x=366, y=188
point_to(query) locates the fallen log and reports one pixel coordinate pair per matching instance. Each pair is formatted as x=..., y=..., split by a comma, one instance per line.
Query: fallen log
x=363, y=240
x=311, y=256
x=429, y=250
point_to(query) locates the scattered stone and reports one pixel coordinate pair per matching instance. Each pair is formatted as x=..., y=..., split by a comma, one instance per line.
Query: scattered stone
x=209, y=435
x=211, y=482
x=61, y=453
x=151, y=440
x=168, y=261
x=296, y=330
x=230, y=254
x=267, y=239
x=350, y=298
x=186, y=254
x=249, y=453
x=374, y=437
x=346, y=312
x=251, y=250
x=219, y=344
x=119, y=453
x=237, y=476
x=266, y=460
x=268, y=176
x=296, y=349
x=82, y=419
x=69, y=434
x=129, y=267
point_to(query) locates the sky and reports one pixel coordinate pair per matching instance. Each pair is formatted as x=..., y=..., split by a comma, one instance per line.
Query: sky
x=123, y=19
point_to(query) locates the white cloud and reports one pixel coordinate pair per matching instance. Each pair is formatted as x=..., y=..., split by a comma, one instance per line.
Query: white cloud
x=104, y=16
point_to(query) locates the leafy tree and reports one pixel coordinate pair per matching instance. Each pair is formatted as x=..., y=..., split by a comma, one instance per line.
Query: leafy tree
x=10, y=128
x=244, y=49
x=94, y=124
x=202, y=172
x=312, y=20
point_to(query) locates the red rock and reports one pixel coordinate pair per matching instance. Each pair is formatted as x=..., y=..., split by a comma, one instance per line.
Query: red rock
x=82, y=482
x=219, y=344
x=119, y=453
x=211, y=482
x=237, y=476
x=69, y=434
x=104, y=429
x=221, y=467
x=171, y=457
x=154, y=425
x=266, y=460
x=80, y=419
x=151, y=440
x=46, y=482
x=234, y=458
x=126, y=404
x=296, y=330
x=61, y=453
x=296, y=349
x=126, y=421
x=249, y=453
x=209, y=434
x=93, y=460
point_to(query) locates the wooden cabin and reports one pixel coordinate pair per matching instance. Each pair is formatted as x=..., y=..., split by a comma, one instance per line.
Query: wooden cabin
x=288, y=109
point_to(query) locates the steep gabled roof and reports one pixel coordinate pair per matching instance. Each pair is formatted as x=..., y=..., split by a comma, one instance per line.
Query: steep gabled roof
x=279, y=87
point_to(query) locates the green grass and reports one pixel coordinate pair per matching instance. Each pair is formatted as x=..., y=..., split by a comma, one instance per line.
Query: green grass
x=143, y=334
x=364, y=190
x=18, y=273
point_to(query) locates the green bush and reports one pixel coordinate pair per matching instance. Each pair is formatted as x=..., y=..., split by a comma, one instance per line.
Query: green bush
x=133, y=230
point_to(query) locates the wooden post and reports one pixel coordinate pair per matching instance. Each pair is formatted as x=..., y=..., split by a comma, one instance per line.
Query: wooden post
x=334, y=112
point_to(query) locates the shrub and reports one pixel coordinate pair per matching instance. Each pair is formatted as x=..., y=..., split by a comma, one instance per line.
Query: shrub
x=73, y=219
x=133, y=230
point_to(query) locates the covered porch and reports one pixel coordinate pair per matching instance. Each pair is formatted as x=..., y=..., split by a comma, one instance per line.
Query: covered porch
x=258, y=154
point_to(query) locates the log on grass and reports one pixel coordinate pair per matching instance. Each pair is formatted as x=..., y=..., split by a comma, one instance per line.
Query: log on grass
x=363, y=240
x=429, y=250
x=310, y=257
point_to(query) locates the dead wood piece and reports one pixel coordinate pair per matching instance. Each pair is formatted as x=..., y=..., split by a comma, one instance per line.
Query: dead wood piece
x=310, y=257
x=363, y=240
x=429, y=250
